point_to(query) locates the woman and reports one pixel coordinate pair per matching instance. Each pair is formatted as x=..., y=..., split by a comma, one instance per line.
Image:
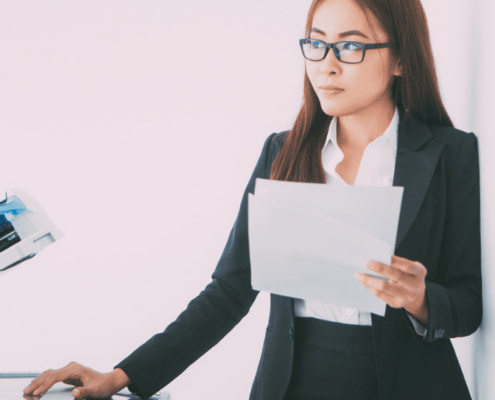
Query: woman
x=372, y=115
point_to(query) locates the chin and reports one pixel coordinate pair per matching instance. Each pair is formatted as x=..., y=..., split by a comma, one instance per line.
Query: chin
x=336, y=110
x=340, y=108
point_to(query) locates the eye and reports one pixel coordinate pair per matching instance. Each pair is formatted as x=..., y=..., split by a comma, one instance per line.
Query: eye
x=316, y=44
x=349, y=46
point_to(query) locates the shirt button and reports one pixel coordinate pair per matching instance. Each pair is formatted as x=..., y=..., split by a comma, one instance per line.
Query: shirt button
x=291, y=334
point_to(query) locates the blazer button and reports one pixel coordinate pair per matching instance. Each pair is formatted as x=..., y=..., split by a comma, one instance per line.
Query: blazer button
x=291, y=334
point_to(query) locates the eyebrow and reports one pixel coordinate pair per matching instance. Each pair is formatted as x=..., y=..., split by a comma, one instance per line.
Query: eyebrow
x=342, y=34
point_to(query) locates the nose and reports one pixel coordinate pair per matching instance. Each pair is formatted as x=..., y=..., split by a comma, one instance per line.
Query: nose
x=330, y=64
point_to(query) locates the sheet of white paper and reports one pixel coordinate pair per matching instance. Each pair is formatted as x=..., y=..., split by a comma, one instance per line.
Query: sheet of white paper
x=307, y=243
x=374, y=210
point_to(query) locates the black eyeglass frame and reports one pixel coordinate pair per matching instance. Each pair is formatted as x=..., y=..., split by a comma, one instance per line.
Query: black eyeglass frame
x=364, y=46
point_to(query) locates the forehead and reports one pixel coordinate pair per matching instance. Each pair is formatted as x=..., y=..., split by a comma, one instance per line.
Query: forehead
x=336, y=16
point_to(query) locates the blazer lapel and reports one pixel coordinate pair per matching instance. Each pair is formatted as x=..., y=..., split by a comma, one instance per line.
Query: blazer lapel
x=414, y=167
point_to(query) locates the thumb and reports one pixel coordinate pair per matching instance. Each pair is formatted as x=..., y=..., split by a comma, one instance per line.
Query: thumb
x=81, y=392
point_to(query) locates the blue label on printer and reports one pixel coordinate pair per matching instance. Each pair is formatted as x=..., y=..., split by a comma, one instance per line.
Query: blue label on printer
x=12, y=205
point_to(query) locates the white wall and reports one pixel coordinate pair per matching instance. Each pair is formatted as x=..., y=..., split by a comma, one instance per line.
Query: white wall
x=137, y=125
x=140, y=150
x=483, y=106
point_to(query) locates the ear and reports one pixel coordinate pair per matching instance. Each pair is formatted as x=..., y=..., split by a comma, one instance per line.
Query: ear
x=398, y=68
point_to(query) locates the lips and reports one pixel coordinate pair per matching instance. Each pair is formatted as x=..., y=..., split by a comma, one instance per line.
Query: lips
x=330, y=87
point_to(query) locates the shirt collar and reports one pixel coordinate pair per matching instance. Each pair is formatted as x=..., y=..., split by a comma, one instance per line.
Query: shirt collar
x=391, y=132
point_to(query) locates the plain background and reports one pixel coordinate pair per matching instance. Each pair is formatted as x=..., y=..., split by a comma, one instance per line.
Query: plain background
x=137, y=126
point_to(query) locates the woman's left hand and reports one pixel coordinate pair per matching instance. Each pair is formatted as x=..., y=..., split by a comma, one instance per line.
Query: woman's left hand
x=406, y=286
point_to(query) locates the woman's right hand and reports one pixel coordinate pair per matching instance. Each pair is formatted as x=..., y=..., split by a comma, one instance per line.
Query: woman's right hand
x=88, y=382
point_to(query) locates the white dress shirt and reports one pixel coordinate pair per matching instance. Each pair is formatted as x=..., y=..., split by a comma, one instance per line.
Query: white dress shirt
x=376, y=169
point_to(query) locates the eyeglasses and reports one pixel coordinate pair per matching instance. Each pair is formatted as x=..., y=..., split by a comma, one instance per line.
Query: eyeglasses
x=346, y=52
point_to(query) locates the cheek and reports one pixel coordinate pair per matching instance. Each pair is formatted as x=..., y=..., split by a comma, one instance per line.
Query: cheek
x=365, y=81
x=312, y=72
x=367, y=75
x=364, y=85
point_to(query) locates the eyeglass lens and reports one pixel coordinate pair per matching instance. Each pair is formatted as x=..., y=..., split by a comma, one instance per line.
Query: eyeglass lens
x=345, y=51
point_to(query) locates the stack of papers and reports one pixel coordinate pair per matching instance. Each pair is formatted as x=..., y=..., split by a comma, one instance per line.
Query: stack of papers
x=307, y=240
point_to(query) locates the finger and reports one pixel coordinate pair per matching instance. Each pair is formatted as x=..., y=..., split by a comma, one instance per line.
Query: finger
x=420, y=269
x=391, y=289
x=29, y=397
x=373, y=286
x=411, y=267
x=399, y=259
x=394, y=265
x=36, y=382
x=82, y=393
x=30, y=388
x=92, y=392
x=44, y=386
x=394, y=274
x=412, y=271
x=390, y=300
x=52, y=378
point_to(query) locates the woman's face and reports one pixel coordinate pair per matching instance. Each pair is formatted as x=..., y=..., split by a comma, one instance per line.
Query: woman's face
x=365, y=86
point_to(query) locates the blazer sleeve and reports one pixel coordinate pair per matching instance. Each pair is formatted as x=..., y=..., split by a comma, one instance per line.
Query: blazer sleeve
x=455, y=298
x=209, y=316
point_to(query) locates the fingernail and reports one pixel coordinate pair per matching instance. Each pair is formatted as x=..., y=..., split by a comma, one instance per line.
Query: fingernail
x=77, y=393
x=369, y=265
x=358, y=276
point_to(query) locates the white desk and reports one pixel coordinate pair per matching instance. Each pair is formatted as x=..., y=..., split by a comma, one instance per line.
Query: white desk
x=12, y=384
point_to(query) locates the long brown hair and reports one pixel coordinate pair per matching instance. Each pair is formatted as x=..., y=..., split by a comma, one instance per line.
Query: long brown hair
x=416, y=93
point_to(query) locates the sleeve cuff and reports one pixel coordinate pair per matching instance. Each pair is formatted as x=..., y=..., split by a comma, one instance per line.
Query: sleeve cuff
x=419, y=327
x=132, y=387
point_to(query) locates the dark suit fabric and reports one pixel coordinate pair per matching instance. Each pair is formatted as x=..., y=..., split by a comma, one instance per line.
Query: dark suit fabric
x=439, y=226
x=332, y=361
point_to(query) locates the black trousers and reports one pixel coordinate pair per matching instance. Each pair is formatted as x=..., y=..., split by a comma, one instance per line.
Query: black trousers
x=332, y=361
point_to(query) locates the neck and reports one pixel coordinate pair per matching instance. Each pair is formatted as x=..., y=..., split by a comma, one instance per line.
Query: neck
x=363, y=127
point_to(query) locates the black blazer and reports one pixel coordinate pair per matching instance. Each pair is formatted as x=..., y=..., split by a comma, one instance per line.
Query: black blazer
x=439, y=226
